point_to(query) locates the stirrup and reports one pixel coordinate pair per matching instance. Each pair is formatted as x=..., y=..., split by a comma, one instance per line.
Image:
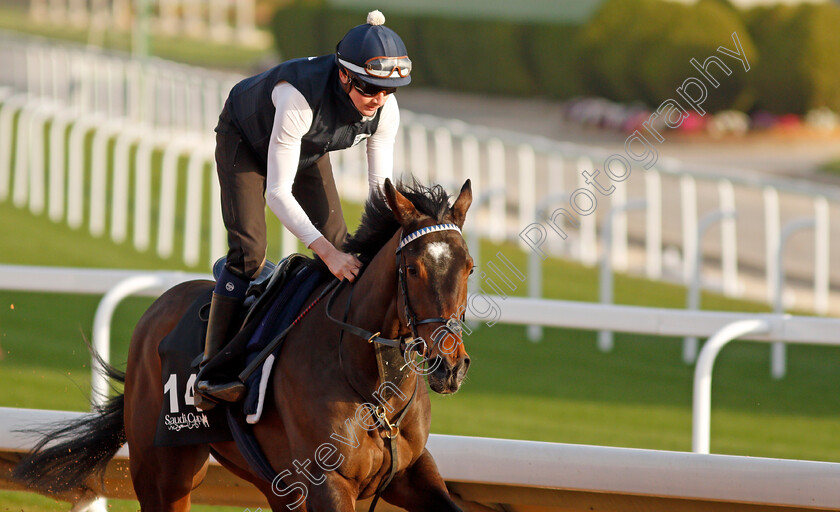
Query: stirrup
x=225, y=391
x=203, y=403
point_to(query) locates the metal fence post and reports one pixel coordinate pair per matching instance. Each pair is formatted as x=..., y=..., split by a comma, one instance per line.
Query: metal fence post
x=728, y=239
x=702, y=400
x=688, y=195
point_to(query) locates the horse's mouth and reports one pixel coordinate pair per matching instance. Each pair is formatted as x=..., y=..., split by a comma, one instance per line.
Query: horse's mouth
x=446, y=379
x=448, y=387
x=451, y=390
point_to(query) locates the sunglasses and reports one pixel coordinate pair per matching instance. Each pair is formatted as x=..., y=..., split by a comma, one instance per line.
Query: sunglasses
x=369, y=90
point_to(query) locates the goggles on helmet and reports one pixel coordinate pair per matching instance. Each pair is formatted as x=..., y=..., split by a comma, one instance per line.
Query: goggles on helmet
x=382, y=67
x=369, y=90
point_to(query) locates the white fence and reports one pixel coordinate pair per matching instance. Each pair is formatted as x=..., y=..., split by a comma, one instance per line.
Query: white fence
x=721, y=327
x=151, y=124
x=496, y=466
x=552, y=476
x=206, y=19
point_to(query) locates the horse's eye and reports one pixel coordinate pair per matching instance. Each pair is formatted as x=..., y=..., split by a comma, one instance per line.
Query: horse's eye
x=411, y=269
x=472, y=270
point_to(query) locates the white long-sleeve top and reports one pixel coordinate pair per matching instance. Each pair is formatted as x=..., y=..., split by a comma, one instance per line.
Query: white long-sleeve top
x=292, y=120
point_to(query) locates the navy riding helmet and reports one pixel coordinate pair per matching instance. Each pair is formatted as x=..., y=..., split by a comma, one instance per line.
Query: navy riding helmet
x=375, y=53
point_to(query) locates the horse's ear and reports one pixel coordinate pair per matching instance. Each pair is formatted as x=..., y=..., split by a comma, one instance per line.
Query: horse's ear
x=403, y=209
x=462, y=204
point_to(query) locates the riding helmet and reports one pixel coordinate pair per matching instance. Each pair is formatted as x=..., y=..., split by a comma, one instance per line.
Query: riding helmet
x=375, y=53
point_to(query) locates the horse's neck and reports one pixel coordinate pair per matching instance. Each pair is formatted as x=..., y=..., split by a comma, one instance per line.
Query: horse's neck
x=375, y=296
x=374, y=308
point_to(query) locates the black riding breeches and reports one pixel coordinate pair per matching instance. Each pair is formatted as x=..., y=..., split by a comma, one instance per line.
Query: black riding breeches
x=242, y=181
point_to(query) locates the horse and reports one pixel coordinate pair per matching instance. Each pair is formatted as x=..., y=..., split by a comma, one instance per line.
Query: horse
x=414, y=283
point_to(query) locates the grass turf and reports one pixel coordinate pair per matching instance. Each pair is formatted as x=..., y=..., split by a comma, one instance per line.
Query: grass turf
x=832, y=168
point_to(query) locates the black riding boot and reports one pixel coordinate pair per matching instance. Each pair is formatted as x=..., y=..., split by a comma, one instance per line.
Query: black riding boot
x=223, y=310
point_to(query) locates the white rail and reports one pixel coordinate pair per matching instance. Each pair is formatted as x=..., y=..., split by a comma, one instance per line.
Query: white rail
x=537, y=473
x=201, y=20
x=81, y=280
x=722, y=327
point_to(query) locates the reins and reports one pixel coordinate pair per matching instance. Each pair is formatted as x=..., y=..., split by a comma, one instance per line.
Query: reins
x=274, y=343
x=371, y=337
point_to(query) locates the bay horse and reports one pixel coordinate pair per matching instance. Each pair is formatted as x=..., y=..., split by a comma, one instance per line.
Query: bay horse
x=414, y=280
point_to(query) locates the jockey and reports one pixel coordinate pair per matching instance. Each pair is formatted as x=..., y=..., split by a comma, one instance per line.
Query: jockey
x=272, y=144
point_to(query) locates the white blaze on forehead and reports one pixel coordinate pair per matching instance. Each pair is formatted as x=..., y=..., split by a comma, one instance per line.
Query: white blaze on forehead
x=439, y=251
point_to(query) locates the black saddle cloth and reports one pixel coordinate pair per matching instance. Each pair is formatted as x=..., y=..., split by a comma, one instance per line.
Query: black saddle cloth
x=274, y=300
x=180, y=422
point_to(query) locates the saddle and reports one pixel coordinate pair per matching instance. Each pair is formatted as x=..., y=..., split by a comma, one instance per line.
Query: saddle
x=269, y=304
x=262, y=290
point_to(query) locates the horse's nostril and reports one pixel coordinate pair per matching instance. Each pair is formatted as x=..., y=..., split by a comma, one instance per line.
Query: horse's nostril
x=466, y=363
x=440, y=367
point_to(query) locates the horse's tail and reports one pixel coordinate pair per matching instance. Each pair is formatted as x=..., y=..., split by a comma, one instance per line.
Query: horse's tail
x=77, y=449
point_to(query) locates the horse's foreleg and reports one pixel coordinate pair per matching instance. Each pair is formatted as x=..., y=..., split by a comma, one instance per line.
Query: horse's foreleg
x=420, y=488
x=333, y=494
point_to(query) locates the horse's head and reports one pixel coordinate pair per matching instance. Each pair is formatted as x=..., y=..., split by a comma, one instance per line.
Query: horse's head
x=433, y=265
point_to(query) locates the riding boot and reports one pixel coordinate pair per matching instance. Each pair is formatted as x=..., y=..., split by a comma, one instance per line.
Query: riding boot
x=223, y=310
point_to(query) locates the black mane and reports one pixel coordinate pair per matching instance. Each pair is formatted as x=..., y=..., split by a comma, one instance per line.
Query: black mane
x=379, y=225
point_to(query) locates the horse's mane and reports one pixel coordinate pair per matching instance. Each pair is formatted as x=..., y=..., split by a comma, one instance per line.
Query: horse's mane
x=378, y=223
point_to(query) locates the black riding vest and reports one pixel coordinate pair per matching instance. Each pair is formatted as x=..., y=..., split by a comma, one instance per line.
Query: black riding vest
x=336, y=124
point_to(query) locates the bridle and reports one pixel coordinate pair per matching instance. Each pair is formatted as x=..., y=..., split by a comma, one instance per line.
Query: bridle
x=451, y=324
x=401, y=342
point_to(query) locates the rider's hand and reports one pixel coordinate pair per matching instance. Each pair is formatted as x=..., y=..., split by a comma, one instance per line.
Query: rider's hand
x=341, y=264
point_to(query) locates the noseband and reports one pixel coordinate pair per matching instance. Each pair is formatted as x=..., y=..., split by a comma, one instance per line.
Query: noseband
x=453, y=324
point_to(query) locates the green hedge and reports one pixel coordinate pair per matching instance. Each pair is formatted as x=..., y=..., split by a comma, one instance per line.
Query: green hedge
x=639, y=50
x=800, y=64
x=631, y=50
x=486, y=56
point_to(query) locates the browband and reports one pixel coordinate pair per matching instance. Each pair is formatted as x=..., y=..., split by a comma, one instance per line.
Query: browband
x=425, y=231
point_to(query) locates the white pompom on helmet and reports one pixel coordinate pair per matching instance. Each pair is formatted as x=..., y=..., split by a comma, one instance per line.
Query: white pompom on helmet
x=375, y=53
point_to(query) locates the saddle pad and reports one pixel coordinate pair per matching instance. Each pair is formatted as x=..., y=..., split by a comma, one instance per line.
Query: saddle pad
x=282, y=312
x=180, y=422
